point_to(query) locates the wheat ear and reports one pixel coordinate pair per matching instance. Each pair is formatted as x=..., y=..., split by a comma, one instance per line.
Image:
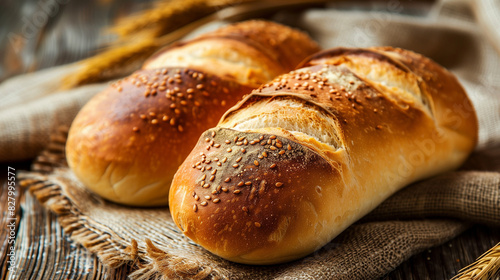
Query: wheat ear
x=485, y=267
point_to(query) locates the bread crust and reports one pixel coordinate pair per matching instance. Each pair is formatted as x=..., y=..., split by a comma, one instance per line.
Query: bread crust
x=132, y=140
x=391, y=119
x=127, y=142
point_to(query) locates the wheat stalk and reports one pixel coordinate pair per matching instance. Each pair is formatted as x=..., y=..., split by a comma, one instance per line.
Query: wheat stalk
x=483, y=268
x=142, y=34
x=167, y=16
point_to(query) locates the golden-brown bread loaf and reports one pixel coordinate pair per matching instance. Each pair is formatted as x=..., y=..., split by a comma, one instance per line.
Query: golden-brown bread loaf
x=127, y=142
x=305, y=156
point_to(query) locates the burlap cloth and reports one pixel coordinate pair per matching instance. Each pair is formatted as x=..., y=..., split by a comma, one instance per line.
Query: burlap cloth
x=461, y=35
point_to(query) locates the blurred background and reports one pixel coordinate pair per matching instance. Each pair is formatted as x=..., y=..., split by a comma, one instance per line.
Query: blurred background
x=36, y=34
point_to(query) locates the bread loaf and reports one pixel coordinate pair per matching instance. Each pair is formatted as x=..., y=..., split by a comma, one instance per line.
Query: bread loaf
x=305, y=156
x=127, y=142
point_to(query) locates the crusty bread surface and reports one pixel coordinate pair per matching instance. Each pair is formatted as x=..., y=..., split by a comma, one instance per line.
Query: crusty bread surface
x=305, y=156
x=127, y=142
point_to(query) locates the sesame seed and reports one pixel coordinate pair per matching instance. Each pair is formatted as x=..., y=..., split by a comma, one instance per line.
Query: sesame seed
x=195, y=208
x=240, y=184
x=180, y=128
x=379, y=127
x=238, y=159
x=214, y=191
x=204, y=203
x=273, y=148
x=236, y=191
x=264, y=154
x=273, y=165
x=243, y=150
x=260, y=156
x=142, y=116
x=207, y=197
x=256, y=163
x=213, y=134
x=165, y=118
x=217, y=145
x=227, y=180
x=225, y=190
x=199, y=86
x=279, y=145
x=257, y=224
x=206, y=186
x=245, y=142
x=218, y=188
x=135, y=129
x=217, y=200
x=235, y=165
x=289, y=147
x=244, y=209
x=248, y=183
x=190, y=90
x=229, y=150
x=224, y=160
x=227, y=142
x=213, y=172
x=172, y=121
x=281, y=152
x=209, y=167
x=219, y=164
x=196, y=197
x=279, y=184
x=203, y=177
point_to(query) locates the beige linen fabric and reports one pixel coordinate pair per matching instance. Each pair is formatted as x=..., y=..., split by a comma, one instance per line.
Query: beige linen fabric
x=460, y=35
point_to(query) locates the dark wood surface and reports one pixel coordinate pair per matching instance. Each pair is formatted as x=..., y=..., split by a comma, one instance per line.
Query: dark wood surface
x=43, y=251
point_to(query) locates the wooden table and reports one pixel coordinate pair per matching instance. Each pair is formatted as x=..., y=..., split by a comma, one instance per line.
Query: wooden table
x=43, y=251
